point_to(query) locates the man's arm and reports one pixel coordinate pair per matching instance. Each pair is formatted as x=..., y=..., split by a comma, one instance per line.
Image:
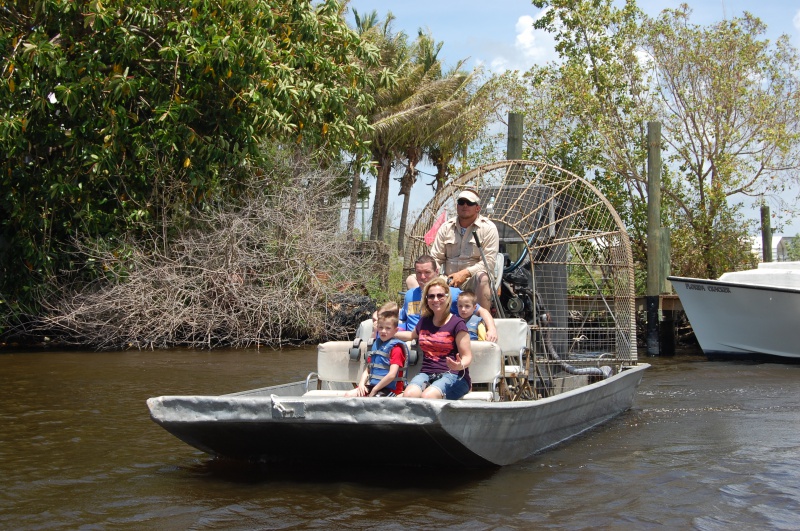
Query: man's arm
x=490, y=243
x=403, y=335
x=491, y=329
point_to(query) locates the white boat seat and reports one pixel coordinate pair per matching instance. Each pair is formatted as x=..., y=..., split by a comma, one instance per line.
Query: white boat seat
x=334, y=366
x=513, y=337
x=486, y=368
x=325, y=392
x=364, y=330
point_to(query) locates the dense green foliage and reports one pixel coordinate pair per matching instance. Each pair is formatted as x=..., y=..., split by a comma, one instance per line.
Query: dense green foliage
x=118, y=115
x=793, y=248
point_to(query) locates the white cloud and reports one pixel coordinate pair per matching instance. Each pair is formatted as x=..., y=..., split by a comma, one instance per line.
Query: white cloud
x=529, y=40
x=796, y=24
x=530, y=47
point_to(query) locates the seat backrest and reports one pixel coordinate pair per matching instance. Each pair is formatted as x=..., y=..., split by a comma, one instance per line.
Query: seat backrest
x=487, y=362
x=364, y=330
x=513, y=334
x=497, y=274
x=364, y=333
x=334, y=364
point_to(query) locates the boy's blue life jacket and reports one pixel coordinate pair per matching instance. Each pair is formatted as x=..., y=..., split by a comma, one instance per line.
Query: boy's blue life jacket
x=378, y=361
x=472, y=326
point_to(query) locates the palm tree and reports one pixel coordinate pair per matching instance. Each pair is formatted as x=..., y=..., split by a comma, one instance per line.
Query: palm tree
x=390, y=87
x=408, y=118
x=454, y=135
x=416, y=109
x=439, y=119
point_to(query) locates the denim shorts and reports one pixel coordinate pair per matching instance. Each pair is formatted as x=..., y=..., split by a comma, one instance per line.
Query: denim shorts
x=450, y=385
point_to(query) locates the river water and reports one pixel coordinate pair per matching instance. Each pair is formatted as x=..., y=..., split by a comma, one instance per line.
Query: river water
x=707, y=445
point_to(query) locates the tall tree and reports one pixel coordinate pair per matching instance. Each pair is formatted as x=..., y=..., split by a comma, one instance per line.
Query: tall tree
x=597, y=96
x=727, y=100
x=456, y=111
x=730, y=103
x=367, y=27
x=412, y=115
x=390, y=86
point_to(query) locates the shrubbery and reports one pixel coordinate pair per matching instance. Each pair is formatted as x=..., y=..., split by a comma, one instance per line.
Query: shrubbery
x=269, y=268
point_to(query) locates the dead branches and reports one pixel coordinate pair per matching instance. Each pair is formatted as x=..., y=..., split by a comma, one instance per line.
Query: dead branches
x=267, y=270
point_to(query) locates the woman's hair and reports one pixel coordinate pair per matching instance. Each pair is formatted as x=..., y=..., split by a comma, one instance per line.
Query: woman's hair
x=425, y=310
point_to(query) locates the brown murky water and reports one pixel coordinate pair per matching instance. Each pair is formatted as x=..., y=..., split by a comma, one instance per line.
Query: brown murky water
x=706, y=446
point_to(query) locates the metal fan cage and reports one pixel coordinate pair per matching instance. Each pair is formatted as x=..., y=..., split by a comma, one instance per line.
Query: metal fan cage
x=565, y=250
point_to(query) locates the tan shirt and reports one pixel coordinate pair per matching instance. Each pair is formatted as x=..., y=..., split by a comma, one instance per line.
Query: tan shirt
x=456, y=251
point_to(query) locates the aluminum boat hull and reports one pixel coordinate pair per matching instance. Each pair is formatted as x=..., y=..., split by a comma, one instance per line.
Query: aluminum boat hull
x=277, y=424
x=741, y=320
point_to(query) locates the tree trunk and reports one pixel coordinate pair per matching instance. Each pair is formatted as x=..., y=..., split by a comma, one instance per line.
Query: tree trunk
x=381, y=203
x=405, y=190
x=403, y=220
x=354, y=191
x=441, y=174
x=406, y=184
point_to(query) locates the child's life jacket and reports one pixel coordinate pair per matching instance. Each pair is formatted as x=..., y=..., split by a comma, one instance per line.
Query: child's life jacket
x=378, y=362
x=476, y=331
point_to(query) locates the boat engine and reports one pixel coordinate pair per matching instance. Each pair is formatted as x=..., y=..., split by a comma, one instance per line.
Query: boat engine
x=516, y=294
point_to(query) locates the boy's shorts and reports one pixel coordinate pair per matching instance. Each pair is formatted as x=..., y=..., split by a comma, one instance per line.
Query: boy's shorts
x=382, y=392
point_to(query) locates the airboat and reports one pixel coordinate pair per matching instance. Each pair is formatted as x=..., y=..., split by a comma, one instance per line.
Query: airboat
x=565, y=360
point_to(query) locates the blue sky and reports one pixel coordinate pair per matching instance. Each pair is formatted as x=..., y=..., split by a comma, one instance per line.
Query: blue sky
x=498, y=35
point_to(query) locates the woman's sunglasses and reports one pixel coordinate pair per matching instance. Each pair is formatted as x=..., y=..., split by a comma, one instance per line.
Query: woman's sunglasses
x=466, y=202
x=433, y=296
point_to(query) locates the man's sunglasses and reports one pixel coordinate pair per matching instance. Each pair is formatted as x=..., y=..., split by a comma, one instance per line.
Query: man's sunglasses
x=466, y=202
x=434, y=296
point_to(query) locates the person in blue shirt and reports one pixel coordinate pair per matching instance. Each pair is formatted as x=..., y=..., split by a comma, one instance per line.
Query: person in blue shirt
x=425, y=269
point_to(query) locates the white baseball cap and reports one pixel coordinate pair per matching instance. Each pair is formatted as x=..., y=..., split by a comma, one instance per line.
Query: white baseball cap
x=469, y=195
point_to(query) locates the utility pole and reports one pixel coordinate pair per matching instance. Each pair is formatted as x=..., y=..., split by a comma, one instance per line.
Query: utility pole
x=514, y=146
x=657, y=246
x=766, y=234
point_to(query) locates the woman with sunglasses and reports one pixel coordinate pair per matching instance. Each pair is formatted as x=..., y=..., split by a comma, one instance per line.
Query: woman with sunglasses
x=444, y=340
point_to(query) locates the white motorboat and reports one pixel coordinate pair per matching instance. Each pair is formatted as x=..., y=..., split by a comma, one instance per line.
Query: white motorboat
x=745, y=314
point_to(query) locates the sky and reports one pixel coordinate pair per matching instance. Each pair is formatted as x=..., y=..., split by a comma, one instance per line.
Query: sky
x=499, y=35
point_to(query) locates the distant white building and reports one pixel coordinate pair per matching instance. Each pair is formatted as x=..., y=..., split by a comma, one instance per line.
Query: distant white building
x=780, y=247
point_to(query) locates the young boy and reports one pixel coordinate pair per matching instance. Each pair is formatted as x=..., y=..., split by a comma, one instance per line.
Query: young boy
x=466, y=309
x=385, y=360
x=388, y=308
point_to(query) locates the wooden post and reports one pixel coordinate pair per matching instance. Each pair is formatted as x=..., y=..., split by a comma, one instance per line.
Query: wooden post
x=766, y=234
x=514, y=146
x=664, y=261
x=666, y=326
x=654, y=282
